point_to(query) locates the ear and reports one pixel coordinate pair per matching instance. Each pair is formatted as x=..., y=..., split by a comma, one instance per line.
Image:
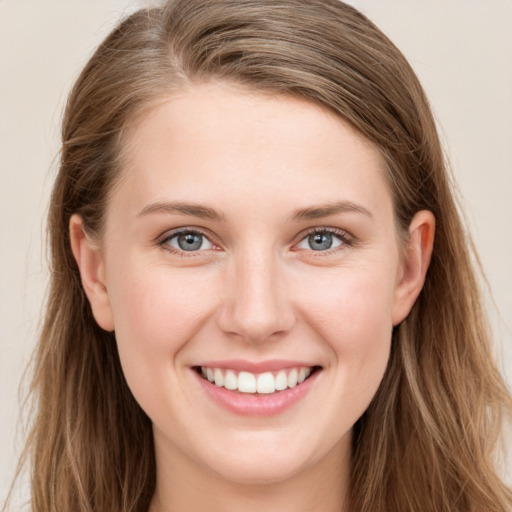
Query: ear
x=92, y=271
x=414, y=265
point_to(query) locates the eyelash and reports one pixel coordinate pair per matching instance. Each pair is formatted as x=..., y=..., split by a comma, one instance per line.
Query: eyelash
x=164, y=242
x=345, y=239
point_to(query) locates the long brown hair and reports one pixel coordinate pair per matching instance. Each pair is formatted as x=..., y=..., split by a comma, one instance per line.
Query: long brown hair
x=428, y=440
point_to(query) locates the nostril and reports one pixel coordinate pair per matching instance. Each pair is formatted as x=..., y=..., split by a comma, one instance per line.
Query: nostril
x=257, y=307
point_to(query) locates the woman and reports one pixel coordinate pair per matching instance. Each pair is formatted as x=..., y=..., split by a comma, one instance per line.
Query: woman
x=248, y=308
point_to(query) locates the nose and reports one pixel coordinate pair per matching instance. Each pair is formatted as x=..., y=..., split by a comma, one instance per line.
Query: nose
x=256, y=303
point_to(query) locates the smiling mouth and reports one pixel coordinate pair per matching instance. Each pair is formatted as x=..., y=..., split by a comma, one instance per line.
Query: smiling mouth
x=257, y=383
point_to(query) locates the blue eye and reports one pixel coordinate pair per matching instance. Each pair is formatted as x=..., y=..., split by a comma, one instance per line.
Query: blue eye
x=321, y=241
x=189, y=241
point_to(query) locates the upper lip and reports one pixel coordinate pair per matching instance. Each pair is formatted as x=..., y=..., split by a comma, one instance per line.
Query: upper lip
x=256, y=366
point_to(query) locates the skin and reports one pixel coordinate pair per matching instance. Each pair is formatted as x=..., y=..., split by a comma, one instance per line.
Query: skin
x=255, y=290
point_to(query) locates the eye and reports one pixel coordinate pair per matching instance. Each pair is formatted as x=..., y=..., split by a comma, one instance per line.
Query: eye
x=322, y=240
x=188, y=241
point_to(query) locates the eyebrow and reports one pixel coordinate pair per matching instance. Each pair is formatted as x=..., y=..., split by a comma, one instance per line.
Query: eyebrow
x=320, y=211
x=204, y=212
x=195, y=210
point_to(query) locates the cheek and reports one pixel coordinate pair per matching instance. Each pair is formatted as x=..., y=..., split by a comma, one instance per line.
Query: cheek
x=156, y=307
x=353, y=315
x=352, y=306
x=156, y=312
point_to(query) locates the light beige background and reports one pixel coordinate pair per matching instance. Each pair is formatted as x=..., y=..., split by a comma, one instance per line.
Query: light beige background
x=461, y=49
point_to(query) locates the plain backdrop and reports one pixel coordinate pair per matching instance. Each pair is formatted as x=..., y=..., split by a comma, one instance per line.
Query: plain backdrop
x=461, y=50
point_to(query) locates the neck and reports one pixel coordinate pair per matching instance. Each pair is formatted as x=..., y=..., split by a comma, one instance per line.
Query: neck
x=183, y=485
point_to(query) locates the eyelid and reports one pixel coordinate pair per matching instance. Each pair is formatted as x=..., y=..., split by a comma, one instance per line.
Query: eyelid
x=168, y=235
x=346, y=238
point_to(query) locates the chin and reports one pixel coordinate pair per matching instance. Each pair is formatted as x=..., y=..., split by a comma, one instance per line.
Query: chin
x=265, y=471
x=266, y=460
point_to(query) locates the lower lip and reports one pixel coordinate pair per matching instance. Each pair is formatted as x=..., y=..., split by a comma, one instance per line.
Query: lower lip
x=247, y=404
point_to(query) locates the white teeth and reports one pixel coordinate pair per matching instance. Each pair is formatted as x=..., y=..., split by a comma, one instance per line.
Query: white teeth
x=219, y=378
x=292, y=378
x=281, y=381
x=264, y=383
x=246, y=382
x=230, y=380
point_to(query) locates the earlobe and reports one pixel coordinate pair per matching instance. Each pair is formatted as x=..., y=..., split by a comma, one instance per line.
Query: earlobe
x=415, y=263
x=92, y=272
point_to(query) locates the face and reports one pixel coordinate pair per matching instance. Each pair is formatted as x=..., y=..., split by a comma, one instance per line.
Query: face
x=251, y=269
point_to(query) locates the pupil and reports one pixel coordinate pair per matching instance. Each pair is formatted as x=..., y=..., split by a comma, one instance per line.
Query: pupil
x=320, y=241
x=189, y=242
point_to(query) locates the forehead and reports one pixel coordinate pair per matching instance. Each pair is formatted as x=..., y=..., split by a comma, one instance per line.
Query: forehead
x=219, y=141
